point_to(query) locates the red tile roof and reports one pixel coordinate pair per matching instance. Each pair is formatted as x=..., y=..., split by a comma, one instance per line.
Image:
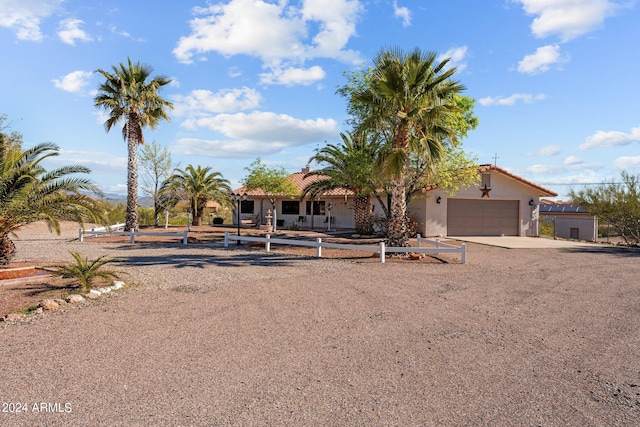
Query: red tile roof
x=299, y=182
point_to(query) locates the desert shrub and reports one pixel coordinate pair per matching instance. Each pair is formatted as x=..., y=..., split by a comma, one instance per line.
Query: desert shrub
x=85, y=271
x=615, y=203
x=546, y=227
x=146, y=216
x=116, y=213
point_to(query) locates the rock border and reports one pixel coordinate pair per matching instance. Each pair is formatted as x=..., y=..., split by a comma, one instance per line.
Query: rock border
x=58, y=304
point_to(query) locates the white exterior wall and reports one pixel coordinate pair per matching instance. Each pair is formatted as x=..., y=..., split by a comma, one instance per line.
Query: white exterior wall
x=433, y=218
x=563, y=223
x=342, y=212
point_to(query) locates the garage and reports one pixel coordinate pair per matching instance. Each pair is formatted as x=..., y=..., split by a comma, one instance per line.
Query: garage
x=467, y=217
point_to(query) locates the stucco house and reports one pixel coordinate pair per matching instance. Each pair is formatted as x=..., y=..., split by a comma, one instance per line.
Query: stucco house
x=291, y=211
x=569, y=221
x=501, y=204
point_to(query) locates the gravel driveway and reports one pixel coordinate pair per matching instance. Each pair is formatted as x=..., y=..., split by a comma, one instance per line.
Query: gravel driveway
x=527, y=337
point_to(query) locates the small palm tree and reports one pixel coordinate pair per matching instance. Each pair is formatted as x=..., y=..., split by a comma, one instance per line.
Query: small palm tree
x=196, y=185
x=85, y=272
x=351, y=166
x=29, y=193
x=128, y=97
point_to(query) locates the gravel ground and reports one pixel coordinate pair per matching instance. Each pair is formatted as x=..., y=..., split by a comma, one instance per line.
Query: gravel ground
x=527, y=337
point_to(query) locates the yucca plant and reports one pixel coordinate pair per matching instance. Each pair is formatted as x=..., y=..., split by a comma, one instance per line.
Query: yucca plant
x=85, y=271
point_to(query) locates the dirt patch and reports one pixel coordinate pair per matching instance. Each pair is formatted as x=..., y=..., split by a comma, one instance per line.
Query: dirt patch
x=18, y=297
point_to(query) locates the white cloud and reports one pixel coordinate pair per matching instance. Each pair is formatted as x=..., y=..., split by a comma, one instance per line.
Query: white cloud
x=549, y=150
x=201, y=102
x=293, y=76
x=572, y=160
x=69, y=31
x=457, y=57
x=567, y=18
x=94, y=160
x=74, y=81
x=101, y=116
x=277, y=33
x=246, y=27
x=627, y=162
x=403, y=13
x=543, y=168
x=25, y=16
x=570, y=164
x=227, y=149
x=527, y=98
x=267, y=126
x=119, y=32
x=611, y=139
x=115, y=189
x=541, y=60
x=123, y=33
x=256, y=133
x=234, y=72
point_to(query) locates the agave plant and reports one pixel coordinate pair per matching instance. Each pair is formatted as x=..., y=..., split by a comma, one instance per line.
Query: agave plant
x=85, y=271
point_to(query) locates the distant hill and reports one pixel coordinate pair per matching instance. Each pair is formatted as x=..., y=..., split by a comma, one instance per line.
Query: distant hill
x=145, y=202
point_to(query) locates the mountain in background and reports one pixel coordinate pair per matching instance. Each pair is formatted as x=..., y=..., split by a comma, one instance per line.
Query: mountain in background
x=144, y=202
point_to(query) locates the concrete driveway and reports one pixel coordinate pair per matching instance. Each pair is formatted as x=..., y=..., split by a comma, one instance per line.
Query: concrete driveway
x=518, y=242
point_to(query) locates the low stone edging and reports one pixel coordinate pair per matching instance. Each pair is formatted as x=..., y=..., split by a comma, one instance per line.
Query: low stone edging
x=59, y=303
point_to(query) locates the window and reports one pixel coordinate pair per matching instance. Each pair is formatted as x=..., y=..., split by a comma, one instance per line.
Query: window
x=318, y=208
x=486, y=181
x=290, y=207
x=246, y=206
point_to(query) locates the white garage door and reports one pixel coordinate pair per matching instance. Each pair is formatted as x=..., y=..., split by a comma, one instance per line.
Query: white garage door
x=482, y=217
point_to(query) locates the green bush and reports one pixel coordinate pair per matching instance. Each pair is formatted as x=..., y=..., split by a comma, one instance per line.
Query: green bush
x=546, y=228
x=145, y=216
x=116, y=213
x=85, y=271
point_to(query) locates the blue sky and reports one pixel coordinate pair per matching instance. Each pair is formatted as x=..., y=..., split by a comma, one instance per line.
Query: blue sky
x=556, y=81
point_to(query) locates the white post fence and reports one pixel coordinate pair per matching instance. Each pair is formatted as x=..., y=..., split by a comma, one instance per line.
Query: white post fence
x=101, y=231
x=381, y=248
x=437, y=246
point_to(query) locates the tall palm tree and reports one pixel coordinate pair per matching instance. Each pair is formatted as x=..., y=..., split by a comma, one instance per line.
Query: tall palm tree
x=196, y=185
x=29, y=193
x=411, y=97
x=349, y=165
x=128, y=96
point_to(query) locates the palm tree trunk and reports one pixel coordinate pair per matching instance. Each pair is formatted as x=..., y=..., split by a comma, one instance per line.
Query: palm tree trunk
x=362, y=214
x=7, y=249
x=397, y=225
x=131, y=222
x=197, y=213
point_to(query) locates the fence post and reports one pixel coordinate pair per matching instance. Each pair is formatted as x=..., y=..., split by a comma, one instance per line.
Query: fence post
x=226, y=239
x=267, y=243
x=463, y=254
x=81, y=235
x=382, y=252
x=133, y=236
x=185, y=238
x=319, y=247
